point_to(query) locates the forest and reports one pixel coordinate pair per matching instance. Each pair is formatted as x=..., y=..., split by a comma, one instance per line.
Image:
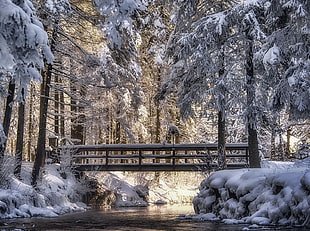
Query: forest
x=123, y=71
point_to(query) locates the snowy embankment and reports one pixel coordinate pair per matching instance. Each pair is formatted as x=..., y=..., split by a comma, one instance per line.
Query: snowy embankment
x=276, y=194
x=57, y=193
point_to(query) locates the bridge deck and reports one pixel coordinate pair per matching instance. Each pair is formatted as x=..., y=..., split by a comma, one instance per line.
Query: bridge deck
x=155, y=157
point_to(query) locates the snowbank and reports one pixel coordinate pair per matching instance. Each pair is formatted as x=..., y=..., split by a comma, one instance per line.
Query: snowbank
x=278, y=195
x=58, y=193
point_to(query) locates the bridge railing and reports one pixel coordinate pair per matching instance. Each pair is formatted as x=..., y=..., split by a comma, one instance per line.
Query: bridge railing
x=154, y=157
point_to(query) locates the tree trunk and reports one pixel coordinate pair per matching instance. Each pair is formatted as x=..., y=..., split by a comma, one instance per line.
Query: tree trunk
x=157, y=110
x=62, y=113
x=56, y=108
x=45, y=93
x=221, y=146
x=40, y=152
x=288, y=142
x=221, y=141
x=78, y=118
x=20, y=138
x=30, y=154
x=7, y=117
x=273, y=144
x=157, y=125
x=118, y=132
x=254, y=159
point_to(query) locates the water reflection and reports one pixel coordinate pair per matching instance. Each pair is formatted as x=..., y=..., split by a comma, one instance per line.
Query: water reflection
x=155, y=218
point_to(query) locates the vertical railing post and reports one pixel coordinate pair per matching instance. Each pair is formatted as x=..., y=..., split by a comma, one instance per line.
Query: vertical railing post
x=140, y=158
x=87, y=154
x=185, y=159
x=107, y=157
x=173, y=156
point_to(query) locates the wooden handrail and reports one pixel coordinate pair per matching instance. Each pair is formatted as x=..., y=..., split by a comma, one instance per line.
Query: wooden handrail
x=153, y=157
x=155, y=147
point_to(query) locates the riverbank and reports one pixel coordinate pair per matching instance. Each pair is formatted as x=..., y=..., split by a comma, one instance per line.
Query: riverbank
x=58, y=192
x=277, y=194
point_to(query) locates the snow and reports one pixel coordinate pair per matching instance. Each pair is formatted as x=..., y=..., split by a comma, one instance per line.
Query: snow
x=278, y=193
x=55, y=195
x=272, y=56
x=6, y=59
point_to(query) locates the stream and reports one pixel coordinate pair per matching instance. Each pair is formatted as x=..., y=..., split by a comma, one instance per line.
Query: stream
x=154, y=217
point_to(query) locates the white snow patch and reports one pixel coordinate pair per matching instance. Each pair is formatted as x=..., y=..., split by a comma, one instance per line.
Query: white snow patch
x=206, y=217
x=55, y=195
x=278, y=193
x=272, y=56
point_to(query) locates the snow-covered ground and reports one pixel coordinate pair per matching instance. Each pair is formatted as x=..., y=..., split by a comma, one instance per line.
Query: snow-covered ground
x=58, y=193
x=278, y=193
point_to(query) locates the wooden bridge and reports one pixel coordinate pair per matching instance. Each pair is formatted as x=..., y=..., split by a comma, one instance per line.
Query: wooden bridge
x=154, y=157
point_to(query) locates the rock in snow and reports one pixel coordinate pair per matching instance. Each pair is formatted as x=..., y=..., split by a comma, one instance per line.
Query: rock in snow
x=263, y=196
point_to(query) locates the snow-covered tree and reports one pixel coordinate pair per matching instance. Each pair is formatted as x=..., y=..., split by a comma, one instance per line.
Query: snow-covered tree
x=215, y=62
x=48, y=8
x=251, y=31
x=282, y=63
x=120, y=69
x=285, y=56
x=206, y=63
x=23, y=47
x=155, y=30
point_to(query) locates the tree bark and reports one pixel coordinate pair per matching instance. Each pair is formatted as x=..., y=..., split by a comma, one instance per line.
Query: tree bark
x=78, y=118
x=221, y=141
x=288, y=142
x=157, y=109
x=221, y=146
x=30, y=126
x=45, y=93
x=20, y=138
x=118, y=132
x=7, y=117
x=254, y=159
x=62, y=113
x=40, y=152
x=56, y=108
x=273, y=144
x=157, y=125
